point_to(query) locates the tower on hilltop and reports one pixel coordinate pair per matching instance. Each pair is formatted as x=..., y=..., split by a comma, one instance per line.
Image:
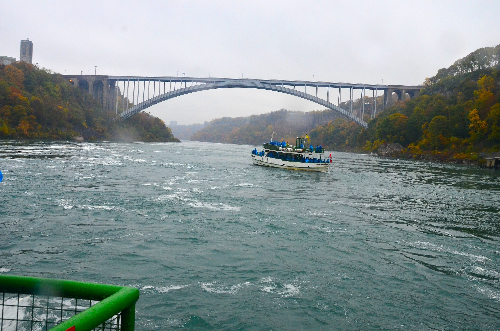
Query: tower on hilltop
x=26, y=51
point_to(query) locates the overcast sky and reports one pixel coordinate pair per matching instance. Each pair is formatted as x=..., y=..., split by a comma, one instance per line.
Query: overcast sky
x=399, y=42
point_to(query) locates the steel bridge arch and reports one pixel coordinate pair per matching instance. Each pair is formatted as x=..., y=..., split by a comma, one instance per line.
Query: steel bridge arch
x=237, y=84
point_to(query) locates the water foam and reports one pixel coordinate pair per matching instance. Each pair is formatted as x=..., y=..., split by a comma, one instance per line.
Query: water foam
x=283, y=290
x=163, y=289
x=245, y=185
x=215, y=287
x=491, y=294
x=65, y=204
x=166, y=289
x=441, y=248
x=213, y=206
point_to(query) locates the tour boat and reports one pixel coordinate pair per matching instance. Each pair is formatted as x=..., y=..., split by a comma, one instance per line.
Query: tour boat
x=281, y=155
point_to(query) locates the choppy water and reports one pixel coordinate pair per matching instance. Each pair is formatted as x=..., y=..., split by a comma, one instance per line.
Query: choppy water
x=213, y=242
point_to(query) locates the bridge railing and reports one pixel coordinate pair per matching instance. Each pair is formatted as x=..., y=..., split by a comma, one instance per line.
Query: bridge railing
x=29, y=303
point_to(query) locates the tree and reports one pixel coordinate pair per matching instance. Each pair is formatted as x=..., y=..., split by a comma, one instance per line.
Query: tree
x=477, y=127
x=393, y=129
x=493, y=122
x=14, y=76
x=484, y=97
x=437, y=132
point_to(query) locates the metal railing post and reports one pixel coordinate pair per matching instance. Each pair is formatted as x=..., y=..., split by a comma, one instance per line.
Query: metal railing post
x=128, y=319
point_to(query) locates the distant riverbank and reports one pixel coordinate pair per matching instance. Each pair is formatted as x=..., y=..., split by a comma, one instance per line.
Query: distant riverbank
x=485, y=159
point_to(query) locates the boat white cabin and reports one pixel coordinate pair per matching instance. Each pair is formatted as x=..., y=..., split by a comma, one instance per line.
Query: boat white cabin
x=281, y=155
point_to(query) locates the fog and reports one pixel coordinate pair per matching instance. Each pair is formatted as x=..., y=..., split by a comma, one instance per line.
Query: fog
x=399, y=42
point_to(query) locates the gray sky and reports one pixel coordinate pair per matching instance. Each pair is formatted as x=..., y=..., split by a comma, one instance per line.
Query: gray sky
x=401, y=42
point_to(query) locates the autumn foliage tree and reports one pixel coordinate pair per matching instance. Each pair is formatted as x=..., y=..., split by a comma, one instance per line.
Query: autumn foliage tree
x=458, y=111
x=37, y=104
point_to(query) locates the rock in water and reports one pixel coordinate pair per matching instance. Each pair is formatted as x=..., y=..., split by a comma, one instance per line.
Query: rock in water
x=389, y=149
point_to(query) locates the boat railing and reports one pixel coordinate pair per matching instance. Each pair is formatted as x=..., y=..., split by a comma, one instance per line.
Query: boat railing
x=287, y=157
x=30, y=303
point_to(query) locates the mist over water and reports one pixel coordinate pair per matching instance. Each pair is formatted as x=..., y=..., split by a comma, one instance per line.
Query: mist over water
x=213, y=242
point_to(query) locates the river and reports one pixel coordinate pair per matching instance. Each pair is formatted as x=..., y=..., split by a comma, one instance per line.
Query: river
x=215, y=243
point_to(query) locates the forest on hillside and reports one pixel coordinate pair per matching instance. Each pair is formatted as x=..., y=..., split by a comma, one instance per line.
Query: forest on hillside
x=257, y=129
x=455, y=116
x=38, y=104
x=185, y=132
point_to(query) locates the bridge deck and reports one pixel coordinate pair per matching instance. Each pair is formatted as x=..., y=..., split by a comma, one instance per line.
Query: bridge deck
x=106, y=90
x=297, y=83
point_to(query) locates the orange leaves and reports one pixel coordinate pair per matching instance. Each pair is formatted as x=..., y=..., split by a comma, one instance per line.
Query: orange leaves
x=399, y=120
x=14, y=76
x=486, y=83
x=477, y=127
x=27, y=127
x=23, y=127
x=484, y=97
x=16, y=97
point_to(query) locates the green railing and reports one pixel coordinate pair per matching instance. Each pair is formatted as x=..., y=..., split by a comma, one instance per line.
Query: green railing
x=29, y=303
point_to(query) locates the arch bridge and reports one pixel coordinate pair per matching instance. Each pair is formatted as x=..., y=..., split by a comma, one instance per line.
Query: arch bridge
x=128, y=95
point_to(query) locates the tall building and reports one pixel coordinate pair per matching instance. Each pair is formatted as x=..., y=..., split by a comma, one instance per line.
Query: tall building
x=26, y=51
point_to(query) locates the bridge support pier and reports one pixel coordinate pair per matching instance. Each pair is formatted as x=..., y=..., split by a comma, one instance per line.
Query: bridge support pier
x=387, y=102
x=401, y=93
x=99, y=86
